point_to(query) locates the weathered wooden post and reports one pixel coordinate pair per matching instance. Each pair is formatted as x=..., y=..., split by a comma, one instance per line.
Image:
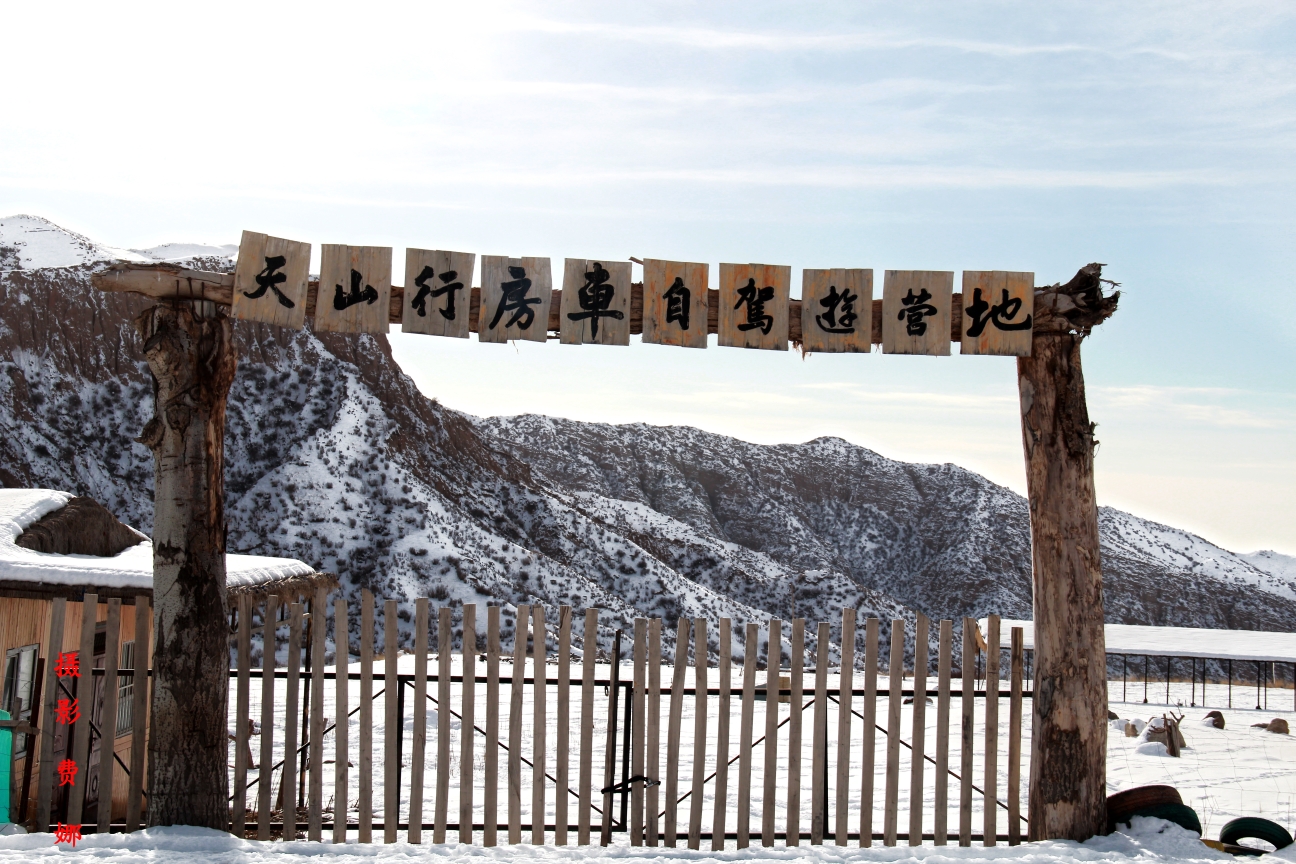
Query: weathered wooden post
x=1068, y=784
x=189, y=345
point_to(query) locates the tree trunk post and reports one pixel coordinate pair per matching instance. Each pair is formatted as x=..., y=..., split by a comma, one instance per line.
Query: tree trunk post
x=1068, y=783
x=190, y=351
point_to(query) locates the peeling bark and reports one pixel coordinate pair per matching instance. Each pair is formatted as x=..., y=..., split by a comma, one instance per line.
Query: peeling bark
x=1068, y=785
x=190, y=351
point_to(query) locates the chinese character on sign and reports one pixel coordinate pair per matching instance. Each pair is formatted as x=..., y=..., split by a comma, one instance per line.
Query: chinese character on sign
x=68, y=711
x=345, y=300
x=595, y=296
x=271, y=278
x=67, y=834
x=514, y=300
x=839, y=316
x=67, y=771
x=68, y=665
x=449, y=287
x=1001, y=314
x=677, y=298
x=916, y=308
x=755, y=299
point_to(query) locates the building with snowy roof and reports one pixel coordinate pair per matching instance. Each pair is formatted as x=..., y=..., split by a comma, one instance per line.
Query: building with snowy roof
x=54, y=544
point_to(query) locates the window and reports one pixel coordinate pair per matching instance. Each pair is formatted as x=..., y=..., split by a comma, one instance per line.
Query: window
x=126, y=689
x=20, y=669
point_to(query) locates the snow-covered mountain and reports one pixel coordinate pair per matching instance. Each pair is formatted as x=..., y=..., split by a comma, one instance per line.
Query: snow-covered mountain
x=335, y=458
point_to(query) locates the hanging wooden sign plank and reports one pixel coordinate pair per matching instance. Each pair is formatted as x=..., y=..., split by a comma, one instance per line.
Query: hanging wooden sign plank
x=515, y=298
x=836, y=310
x=438, y=286
x=355, y=289
x=754, y=306
x=675, y=303
x=595, y=303
x=916, y=312
x=270, y=280
x=998, y=312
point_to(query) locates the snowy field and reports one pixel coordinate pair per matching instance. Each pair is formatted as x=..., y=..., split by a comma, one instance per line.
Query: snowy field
x=1222, y=774
x=1149, y=841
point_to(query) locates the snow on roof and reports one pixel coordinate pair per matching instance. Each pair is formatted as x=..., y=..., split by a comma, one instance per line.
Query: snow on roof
x=1256, y=645
x=132, y=568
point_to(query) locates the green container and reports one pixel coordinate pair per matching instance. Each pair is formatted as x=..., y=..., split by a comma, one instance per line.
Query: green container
x=6, y=766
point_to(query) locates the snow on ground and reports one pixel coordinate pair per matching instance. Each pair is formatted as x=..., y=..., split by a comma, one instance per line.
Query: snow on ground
x=1141, y=640
x=32, y=242
x=1149, y=841
x=1237, y=771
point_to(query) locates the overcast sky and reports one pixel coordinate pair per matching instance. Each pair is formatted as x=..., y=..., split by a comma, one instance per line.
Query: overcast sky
x=1156, y=138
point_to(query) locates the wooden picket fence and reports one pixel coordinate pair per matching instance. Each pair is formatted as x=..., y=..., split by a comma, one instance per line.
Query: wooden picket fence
x=643, y=781
x=656, y=794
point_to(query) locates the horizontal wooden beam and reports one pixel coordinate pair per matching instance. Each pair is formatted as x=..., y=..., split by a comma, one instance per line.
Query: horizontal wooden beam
x=169, y=282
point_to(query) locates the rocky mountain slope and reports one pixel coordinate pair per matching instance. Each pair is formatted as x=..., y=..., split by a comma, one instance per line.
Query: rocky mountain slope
x=334, y=457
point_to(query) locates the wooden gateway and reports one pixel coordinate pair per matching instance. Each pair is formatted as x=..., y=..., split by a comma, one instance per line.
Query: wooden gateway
x=56, y=551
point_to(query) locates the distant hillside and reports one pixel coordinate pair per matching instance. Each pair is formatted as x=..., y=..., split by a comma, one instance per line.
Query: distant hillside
x=335, y=458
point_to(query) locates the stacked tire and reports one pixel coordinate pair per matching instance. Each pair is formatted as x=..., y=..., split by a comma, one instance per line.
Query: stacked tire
x=1164, y=802
x=1161, y=802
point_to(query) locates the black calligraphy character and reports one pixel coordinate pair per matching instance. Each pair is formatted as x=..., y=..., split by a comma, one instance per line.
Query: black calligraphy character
x=677, y=303
x=595, y=296
x=343, y=301
x=916, y=309
x=1000, y=314
x=844, y=303
x=515, y=300
x=271, y=278
x=449, y=288
x=755, y=299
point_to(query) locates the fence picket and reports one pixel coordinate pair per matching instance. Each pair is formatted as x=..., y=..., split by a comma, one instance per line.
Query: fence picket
x=490, y=797
x=1015, y=738
x=288, y=779
x=637, y=741
x=441, y=807
x=523, y=619
x=391, y=725
x=589, y=656
x=700, y=651
x=315, y=799
x=845, y=699
x=796, y=675
x=538, y=758
x=342, y=727
x=242, y=712
x=418, y=744
x=364, y=817
x=653, y=728
x=819, y=747
x=869, y=758
x=50, y=695
x=748, y=709
x=968, y=686
x=894, y=701
x=670, y=821
x=991, y=787
x=269, y=647
x=81, y=731
x=941, y=816
x=919, y=734
x=562, y=746
x=467, y=719
x=773, y=692
x=724, y=671
x=139, y=711
x=108, y=715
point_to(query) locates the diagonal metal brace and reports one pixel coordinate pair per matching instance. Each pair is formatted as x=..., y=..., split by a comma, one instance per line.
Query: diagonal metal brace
x=624, y=785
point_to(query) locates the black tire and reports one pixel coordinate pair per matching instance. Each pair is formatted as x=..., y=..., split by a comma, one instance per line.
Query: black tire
x=1180, y=814
x=1255, y=827
x=1123, y=805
